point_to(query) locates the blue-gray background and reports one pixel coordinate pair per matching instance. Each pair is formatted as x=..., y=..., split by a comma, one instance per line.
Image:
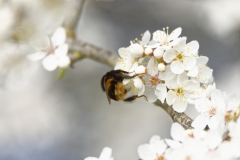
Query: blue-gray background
x=71, y=119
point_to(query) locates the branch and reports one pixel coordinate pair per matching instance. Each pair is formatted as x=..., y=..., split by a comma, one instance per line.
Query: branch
x=86, y=50
x=181, y=118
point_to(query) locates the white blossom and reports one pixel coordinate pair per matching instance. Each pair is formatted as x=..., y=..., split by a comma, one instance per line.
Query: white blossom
x=180, y=90
x=105, y=155
x=154, y=150
x=55, y=54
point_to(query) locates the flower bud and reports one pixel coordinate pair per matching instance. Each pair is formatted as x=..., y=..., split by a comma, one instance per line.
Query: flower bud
x=161, y=67
x=148, y=51
x=158, y=53
x=136, y=50
x=140, y=69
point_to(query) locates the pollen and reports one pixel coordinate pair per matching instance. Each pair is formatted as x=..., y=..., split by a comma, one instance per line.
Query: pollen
x=180, y=56
x=212, y=112
x=154, y=81
x=180, y=91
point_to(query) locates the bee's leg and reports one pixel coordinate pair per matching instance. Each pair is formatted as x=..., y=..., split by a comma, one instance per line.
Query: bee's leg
x=130, y=77
x=135, y=97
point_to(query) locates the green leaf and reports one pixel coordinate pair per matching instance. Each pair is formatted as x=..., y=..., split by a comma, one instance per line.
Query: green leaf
x=61, y=74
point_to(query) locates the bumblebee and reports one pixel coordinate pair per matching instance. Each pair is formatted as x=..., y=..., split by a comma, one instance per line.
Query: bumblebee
x=111, y=83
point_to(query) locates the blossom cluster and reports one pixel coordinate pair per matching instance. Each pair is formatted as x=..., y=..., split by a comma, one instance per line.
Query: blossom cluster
x=168, y=68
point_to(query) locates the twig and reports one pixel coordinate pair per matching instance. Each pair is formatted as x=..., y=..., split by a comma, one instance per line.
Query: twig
x=181, y=118
x=91, y=51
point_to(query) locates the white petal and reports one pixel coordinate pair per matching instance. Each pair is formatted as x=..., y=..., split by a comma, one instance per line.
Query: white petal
x=136, y=50
x=180, y=106
x=200, y=122
x=193, y=47
x=150, y=94
x=213, y=123
x=50, y=63
x=138, y=82
x=173, y=144
x=133, y=67
x=204, y=74
x=154, y=139
x=146, y=152
x=159, y=36
x=169, y=55
x=193, y=72
x=175, y=34
x=140, y=69
x=202, y=105
x=61, y=50
x=160, y=147
x=141, y=90
x=171, y=97
x=146, y=38
x=189, y=62
x=64, y=62
x=152, y=67
x=59, y=37
x=177, y=132
x=182, y=78
x=177, y=67
x=36, y=56
x=191, y=85
x=106, y=153
x=124, y=52
x=39, y=41
x=171, y=80
x=158, y=52
x=202, y=60
x=161, y=92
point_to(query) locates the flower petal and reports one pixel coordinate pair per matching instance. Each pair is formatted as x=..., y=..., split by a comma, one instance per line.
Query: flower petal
x=169, y=55
x=145, y=151
x=193, y=72
x=106, y=153
x=59, y=37
x=177, y=132
x=202, y=60
x=173, y=144
x=39, y=41
x=138, y=82
x=36, y=56
x=213, y=123
x=152, y=67
x=146, y=38
x=161, y=92
x=171, y=97
x=177, y=67
x=180, y=106
x=150, y=94
x=189, y=62
x=61, y=50
x=200, y=122
x=50, y=63
x=193, y=47
x=64, y=62
x=175, y=34
x=182, y=78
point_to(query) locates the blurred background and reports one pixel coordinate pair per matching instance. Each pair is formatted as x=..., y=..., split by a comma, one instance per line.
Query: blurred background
x=41, y=118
